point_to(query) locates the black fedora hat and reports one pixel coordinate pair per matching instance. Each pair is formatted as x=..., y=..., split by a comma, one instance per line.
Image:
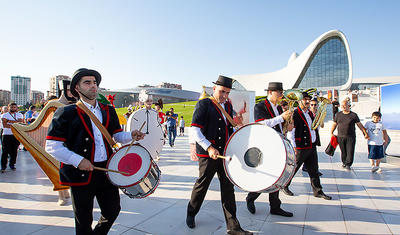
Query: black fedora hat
x=274, y=86
x=81, y=73
x=224, y=81
x=306, y=95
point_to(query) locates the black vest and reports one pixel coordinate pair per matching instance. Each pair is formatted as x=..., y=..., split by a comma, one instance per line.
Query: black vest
x=72, y=126
x=302, y=133
x=264, y=110
x=210, y=120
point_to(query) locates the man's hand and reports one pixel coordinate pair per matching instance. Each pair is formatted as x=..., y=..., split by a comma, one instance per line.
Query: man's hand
x=85, y=165
x=193, y=155
x=137, y=135
x=213, y=152
x=366, y=136
x=287, y=114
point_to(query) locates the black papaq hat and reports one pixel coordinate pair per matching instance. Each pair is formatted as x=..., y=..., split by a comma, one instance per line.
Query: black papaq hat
x=224, y=81
x=274, y=86
x=81, y=73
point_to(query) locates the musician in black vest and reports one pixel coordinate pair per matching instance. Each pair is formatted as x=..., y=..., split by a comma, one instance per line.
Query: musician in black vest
x=304, y=141
x=211, y=130
x=270, y=113
x=78, y=144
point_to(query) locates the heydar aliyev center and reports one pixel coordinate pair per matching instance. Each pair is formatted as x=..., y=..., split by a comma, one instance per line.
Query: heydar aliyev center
x=325, y=64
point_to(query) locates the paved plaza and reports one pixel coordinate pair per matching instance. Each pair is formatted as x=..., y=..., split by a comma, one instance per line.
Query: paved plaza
x=363, y=202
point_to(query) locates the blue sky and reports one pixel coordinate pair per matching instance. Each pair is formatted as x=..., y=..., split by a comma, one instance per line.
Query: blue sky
x=187, y=42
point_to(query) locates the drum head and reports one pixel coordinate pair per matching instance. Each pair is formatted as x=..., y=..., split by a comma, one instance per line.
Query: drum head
x=136, y=163
x=153, y=141
x=258, y=157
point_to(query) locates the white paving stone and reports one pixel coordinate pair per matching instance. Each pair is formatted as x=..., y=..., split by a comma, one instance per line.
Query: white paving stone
x=363, y=202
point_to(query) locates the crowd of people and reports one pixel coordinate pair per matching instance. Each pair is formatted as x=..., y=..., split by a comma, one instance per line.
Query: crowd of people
x=75, y=139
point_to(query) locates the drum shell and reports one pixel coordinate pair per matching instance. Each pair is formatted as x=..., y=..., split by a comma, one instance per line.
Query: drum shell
x=256, y=179
x=146, y=184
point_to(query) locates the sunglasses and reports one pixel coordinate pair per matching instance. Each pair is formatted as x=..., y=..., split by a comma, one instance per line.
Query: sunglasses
x=313, y=104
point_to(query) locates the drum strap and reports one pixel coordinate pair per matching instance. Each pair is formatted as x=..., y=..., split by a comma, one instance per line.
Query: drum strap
x=98, y=124
x=228, y=117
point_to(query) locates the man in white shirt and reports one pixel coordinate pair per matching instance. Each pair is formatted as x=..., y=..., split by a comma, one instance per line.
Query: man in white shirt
x=10, y=143
x=75, y=141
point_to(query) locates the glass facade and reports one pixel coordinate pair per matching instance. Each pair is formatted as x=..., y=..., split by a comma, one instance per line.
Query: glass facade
x=327, y=67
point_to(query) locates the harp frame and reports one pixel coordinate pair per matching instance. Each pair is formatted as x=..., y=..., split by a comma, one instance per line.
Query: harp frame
x=47, y=163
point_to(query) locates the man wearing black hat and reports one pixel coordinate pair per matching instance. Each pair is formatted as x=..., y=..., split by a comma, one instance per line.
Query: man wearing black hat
x=78, y=144
x=270, y=113
x=211, y=130
x=304, y=139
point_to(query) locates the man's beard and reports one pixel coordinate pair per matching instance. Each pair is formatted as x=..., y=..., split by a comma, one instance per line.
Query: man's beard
x=88, y=96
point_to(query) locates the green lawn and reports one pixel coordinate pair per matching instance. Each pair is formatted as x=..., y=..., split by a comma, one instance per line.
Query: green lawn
x=184, y=109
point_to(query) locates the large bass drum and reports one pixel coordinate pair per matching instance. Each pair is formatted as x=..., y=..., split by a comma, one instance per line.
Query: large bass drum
x=259, y=159
x=154, y=140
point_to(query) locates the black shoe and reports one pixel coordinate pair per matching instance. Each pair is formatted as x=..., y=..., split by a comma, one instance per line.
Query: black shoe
x=281, y=212
x=287, y=191
x=251, y=207
x=13, y=168
x=190, y=221
x=319, y=173
x=347, y=168
x=3, y=170
x=238, y=231
x=343, y=165
x=323, y=195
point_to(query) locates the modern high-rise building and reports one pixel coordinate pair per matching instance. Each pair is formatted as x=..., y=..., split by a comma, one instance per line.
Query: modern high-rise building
x=54, y=84
x=37, y=97
x=20, y=90
x=4, y=97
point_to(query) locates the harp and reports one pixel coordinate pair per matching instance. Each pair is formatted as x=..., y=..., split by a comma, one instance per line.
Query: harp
x=33, y=137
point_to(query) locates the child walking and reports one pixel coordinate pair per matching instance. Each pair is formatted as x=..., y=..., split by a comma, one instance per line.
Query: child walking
x=378, y=138
x=181, y=127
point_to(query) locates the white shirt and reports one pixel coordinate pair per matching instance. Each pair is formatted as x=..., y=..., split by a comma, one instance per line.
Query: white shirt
x=375, y=132
x=63, y=154
x=12, y=117
x=309, y=123
x=278, y=119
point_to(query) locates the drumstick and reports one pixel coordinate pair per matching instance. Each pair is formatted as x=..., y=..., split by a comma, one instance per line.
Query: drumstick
x=105, y=169
x=224, y=157
x=133, y=140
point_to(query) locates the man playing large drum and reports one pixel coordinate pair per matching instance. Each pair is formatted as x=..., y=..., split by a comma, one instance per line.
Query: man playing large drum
x=211, y=131
x=270, y=113
x=304, y=139
x=75, y=141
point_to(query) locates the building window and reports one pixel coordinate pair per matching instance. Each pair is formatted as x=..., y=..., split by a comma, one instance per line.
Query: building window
x=327, y=67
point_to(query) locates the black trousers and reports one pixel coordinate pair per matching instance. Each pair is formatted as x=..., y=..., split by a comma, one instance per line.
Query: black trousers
x=10, y=149
x=207, y=169
x=310, y=159
x=107, y=196
x=347, y=146
x=274, y=201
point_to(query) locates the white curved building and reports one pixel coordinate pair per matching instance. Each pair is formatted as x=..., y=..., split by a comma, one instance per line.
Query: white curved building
x=325, y=64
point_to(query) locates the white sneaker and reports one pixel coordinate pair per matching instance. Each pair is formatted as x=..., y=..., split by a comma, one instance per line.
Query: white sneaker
x=62, y=202
x=379, y=170
x=374, y=168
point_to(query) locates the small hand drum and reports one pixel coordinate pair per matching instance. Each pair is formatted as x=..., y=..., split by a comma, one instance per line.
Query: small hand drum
x=259, y=159
x=143, y=173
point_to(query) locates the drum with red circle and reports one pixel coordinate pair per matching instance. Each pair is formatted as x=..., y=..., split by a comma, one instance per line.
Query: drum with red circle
x=143, y=174
x=259, y=159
